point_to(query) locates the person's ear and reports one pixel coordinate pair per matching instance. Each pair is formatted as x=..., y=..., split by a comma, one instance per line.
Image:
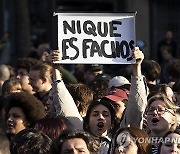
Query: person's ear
x=44, y=80
x=174, y=122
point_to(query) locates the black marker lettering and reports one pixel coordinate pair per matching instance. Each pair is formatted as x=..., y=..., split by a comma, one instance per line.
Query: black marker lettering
x=74, y=47
x=99, y=28
x=64, y=47
x=70, y=28
x=103, y=49
x=91, y=29
x=95, y=48
x=85, y=47
x=112, y=27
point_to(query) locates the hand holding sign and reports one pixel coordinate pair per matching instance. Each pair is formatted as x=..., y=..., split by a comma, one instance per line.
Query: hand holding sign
x=55, y=56
x=138, y=56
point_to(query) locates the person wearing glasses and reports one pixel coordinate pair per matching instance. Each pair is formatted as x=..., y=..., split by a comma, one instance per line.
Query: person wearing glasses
x=160, y=117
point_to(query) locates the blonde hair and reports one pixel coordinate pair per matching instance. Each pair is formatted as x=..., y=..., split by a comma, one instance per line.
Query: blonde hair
x=167, y=102
x=45, y=69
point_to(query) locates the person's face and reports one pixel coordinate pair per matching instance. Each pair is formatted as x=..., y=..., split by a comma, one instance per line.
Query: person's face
x=23, y=77
x=162, y=121
x=119, y=107
x=100, y=120
x=172, y=146
x=16, y=120
x=125, y=144
x=165, y=54
x=74, y=146
x=35, y=81
x=169, y=35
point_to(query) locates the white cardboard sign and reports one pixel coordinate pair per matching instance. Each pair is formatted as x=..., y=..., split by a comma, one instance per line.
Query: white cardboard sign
x=96, y=38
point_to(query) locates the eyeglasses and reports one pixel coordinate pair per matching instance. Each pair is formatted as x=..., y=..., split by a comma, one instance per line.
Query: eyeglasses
x=159, y=111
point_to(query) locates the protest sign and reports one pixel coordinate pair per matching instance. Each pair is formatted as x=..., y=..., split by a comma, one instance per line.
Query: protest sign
x=96, y=38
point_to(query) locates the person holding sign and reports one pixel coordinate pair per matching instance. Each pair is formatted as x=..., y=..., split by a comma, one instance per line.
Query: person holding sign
x=100, y=120
x=133, y=114
x=60, y=100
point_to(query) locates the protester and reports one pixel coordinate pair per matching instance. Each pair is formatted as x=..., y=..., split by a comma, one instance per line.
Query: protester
x=130, y=140
x=91, y=71
x=11, y=86
x=167, y=59
x=82, y=96
x=99, y=87
x=40, y=76
x=167, y=41
x=30, y=141
x=75, y=142
x=119, y=99
x=119, y=82
x=160, y=117
x=51, y=126
x=165, y=89
x=152, y=71
x=171, y=143
x=100, y=118
x=60, y=101
x=22, y=111
x=23, y=67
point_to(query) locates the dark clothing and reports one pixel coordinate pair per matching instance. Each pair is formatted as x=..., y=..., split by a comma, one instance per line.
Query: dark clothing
x=44, y=98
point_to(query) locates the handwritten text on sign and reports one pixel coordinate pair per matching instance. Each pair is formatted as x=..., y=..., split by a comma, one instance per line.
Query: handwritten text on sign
x=96, y=38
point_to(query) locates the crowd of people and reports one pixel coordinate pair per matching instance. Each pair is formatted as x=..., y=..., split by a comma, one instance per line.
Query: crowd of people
x=46, y=108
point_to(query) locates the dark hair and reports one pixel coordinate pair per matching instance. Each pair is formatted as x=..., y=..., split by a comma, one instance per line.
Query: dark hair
x=135, y=133
x=92, y=144
x=51, y=126
x=105, y=103
x=31, y=106
x=176, y=86
x=99, y=88
x=26, y=63
x=151, y=70
x=81, y=93
x=159, y=88
x=30, y=141
x=10, y=85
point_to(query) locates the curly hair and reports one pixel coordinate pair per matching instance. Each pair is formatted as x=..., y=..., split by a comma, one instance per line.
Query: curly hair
x=30, y=141
x=32, y=107
x=92, y=144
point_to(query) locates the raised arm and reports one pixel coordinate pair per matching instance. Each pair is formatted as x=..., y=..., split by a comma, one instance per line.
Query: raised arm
x=137, y=101
x=62, y=99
